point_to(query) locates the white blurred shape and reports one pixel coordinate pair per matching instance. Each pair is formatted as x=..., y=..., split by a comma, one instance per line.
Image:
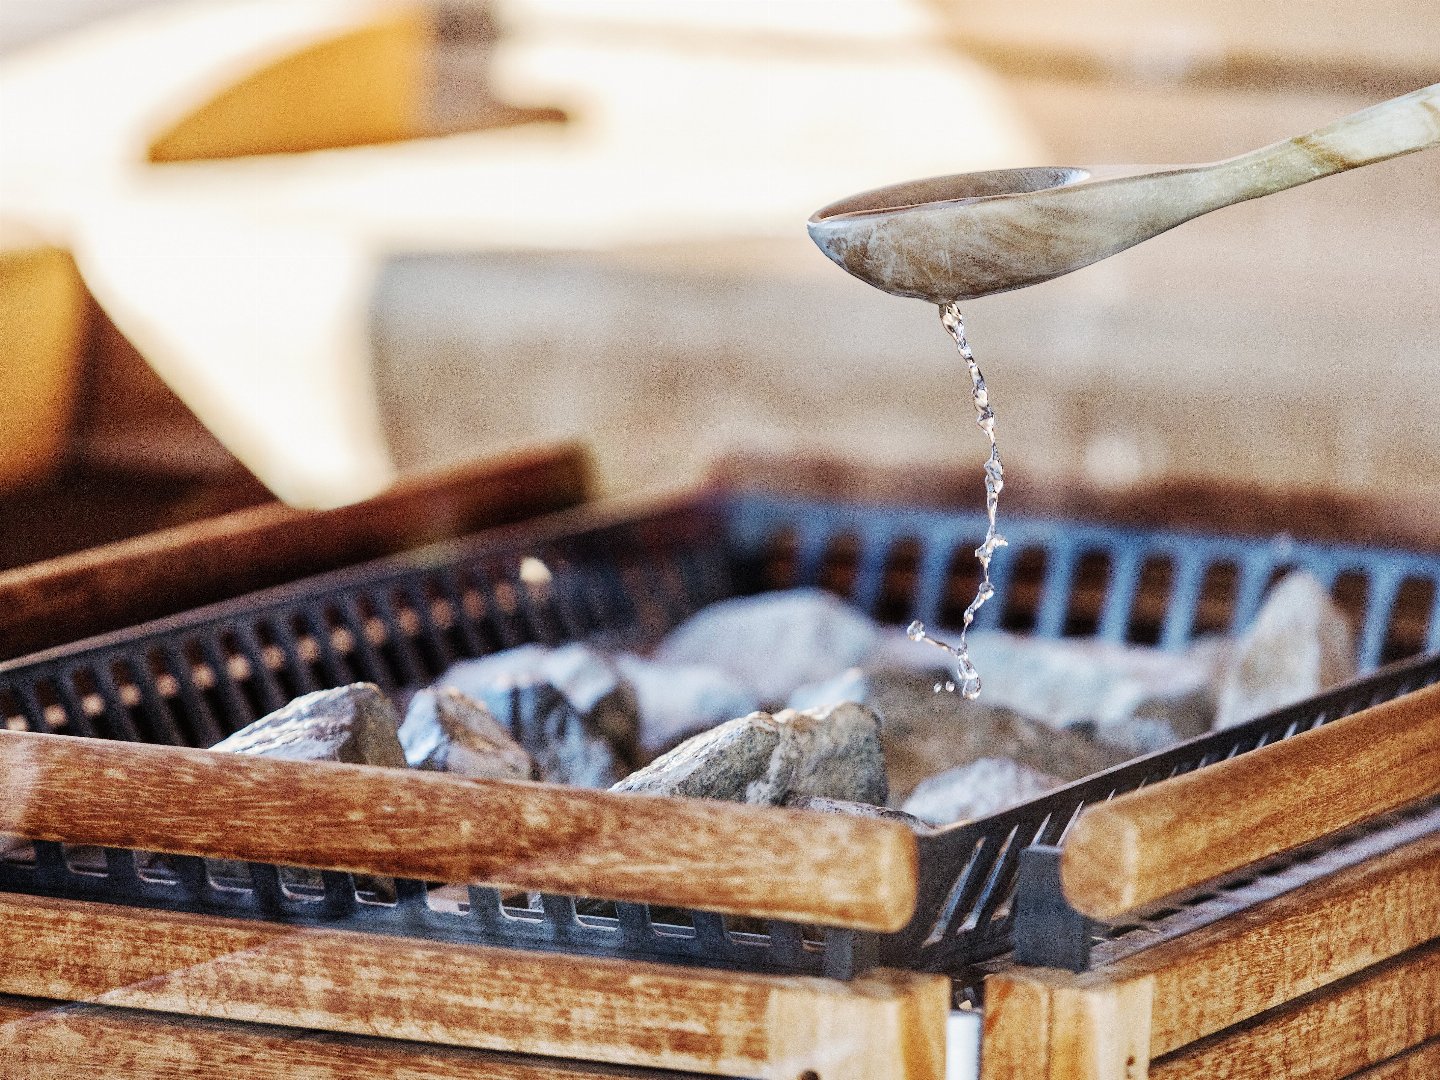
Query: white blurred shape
x=259, y=337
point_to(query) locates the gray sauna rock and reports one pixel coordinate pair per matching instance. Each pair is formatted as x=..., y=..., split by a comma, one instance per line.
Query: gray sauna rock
x=831, y=752
x=568, y=707
x=1134, y=735
x=822, y=805
x=1299, y=644
x=354, y=723
x=680, y=700
x=971, y=791
x=774, y=642
x=768, y=759
x=448, y=731
x=720, y=763
x=593, y=684
x=924, y=732
x=16, y=848
x=1069, y=681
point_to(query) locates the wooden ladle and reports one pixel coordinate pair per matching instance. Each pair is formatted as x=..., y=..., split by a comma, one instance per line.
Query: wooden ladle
x=958, y=237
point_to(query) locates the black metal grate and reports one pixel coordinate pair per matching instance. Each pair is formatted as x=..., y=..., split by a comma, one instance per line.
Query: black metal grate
x=192, y=679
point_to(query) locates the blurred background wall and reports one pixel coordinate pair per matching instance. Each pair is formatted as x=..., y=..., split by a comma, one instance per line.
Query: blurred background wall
x=594, y=227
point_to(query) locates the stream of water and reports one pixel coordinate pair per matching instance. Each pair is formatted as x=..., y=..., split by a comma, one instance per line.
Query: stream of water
x=967, y=678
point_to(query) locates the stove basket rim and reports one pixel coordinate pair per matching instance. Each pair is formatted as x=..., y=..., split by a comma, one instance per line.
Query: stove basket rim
x=634, y=573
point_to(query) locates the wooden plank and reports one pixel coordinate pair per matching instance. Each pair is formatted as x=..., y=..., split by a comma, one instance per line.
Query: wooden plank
x=1366, y=1019
x=1015, y=1031
x=1291, y=945
x=42, y=325
x=1176, y=834
x=358, y=85
x=884, y=1026
x=1262, y=957
x=58, y=1040
x=1042, y=1025
x=132, y=581
x=1419, y=1063
x=764, y=861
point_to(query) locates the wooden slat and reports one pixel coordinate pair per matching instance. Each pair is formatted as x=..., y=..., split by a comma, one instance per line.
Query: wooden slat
x=1015, y=1036
x=357, y=85
x=1179, y=833
x=58, y=1040
x=784, y=864
x=1366, y=1019
x=1419, y=1063
x=132, y=581
x=1224, y=974
x=1292, y=945
x=1037, y=1028
x=42, y=320
x=884, y=1026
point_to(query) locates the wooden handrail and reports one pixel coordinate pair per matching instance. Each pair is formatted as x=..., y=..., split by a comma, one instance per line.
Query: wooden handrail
x=782, y=864
x=1179, y=833
x=131, y=581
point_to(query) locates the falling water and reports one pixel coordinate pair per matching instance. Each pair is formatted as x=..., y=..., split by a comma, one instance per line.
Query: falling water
x=965, y=673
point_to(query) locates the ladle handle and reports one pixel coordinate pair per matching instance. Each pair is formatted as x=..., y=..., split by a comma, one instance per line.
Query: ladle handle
x=1401, y=125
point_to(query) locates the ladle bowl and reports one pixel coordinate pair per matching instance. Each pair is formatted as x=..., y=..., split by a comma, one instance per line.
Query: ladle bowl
x=959, y=237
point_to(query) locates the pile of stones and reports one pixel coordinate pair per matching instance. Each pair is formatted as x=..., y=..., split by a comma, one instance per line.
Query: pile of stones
x=797, y=699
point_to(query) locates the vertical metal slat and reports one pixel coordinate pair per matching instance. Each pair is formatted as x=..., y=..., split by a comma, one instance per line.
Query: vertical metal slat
x=157, y=710
x=202, y=721
x=1380, y=601
x=1060, y=560
x=271, y=696
x=1179, y=623
x=299, y=671
x=1119, y=593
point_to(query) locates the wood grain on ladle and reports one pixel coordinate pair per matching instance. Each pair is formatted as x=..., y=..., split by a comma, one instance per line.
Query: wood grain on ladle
x=955, y=238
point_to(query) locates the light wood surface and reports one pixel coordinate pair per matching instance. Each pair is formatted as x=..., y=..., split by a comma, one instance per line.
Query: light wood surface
x=1294, y=944
x=884, y=1026
x=1240, y=43
x=118, y=585
x=232, y=307
x=362, y=85
x=1367, y=1019
x=42, y=331
x=769, y=862
x=1171, y=836
x=1224, y=974
x=58, y=1040
x=1419, y=1063
x=1042, y=1028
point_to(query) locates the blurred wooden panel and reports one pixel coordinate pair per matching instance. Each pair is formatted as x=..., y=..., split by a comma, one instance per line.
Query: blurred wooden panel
x=363, y=85
x=108, y=587
x=42, y=321
x=1380, y=46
